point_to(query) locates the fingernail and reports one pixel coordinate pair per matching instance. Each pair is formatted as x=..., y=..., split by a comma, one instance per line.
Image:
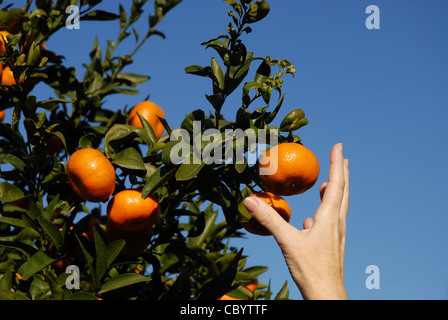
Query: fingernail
x=250, y=203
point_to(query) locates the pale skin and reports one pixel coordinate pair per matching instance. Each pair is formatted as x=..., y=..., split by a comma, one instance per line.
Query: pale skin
x=315, y=254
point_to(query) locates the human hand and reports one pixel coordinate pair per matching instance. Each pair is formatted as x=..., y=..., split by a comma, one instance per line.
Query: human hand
x=315, y=254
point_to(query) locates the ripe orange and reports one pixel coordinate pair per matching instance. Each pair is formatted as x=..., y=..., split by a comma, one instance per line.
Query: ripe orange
x=275, y=201
x=149, y=111
x=3, y=34
x=128, y=211
x=91, y=175
x=290, y=168
x=251, y=285
x=7, y=77
x=227, y=297
x=2, y=115
x=136, y=241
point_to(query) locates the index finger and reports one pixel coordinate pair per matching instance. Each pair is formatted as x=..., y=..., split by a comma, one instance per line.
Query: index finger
x=334, y=190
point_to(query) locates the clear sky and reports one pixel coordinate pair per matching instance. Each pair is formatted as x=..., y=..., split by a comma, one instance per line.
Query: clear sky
x=382, y=92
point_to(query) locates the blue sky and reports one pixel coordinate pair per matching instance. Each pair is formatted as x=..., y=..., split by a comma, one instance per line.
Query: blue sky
x=383, y=93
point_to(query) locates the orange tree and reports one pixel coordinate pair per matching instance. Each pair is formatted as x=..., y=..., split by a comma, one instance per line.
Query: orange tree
x=46, y=228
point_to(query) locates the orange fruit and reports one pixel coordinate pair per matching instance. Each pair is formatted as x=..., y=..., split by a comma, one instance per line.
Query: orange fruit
x=136, y=241
x=128, y=211
x=3, y=34
x=149, y=111
x=91, y=175
x=251, y=286
x=275, y=201
x=54, y=144
x=7, y=77
x=226, y=297
x=289, y=169
x=2, y=115
x=61, y=264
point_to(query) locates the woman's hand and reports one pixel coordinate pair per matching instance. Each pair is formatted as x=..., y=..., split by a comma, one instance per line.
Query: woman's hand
x=314, y=255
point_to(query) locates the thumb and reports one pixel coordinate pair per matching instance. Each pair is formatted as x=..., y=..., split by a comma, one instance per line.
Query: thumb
x=266, y=215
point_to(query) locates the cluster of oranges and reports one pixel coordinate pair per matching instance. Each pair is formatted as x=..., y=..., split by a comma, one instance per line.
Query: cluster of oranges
x=290, y=168
x=6, y=74
x=92, y=176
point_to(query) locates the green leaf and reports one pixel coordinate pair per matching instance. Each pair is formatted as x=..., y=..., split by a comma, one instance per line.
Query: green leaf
x=6, y=279
x=27, y=234
x=114, y=249
x=49, y=211
x=34, y=56
x=198, y=226
x=148, y=130
x=293, y=120
x=240, y=167
x=196, y=115
x=156, y=180
x=216, y=100
x=13, y=160
x=263, y=72
x=129, y=158
x=272, y=116
x=122, y=280
x=52, y=231
x=13, y=136
x=223, y=282
x=188, y=171
x=81, y=296
x=123, y=17
x=88, y=141
x=217, y=72
x=40, y=290
x=13, y=222
x=283, y=294
x=101, y=262
x=37, y=262
x=132, y=77
x=208, y=227
x=243, y=213
x=100, y=15
x=256, y=271
x=10, y=192
x=121, y=135
x=258, y=11
x=11, y=295
x=218, y=45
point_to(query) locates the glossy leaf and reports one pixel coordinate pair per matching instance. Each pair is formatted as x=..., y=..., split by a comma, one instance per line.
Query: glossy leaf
x=122, y=280
x=129, y=158
x=10, y=192
x=36, y=263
